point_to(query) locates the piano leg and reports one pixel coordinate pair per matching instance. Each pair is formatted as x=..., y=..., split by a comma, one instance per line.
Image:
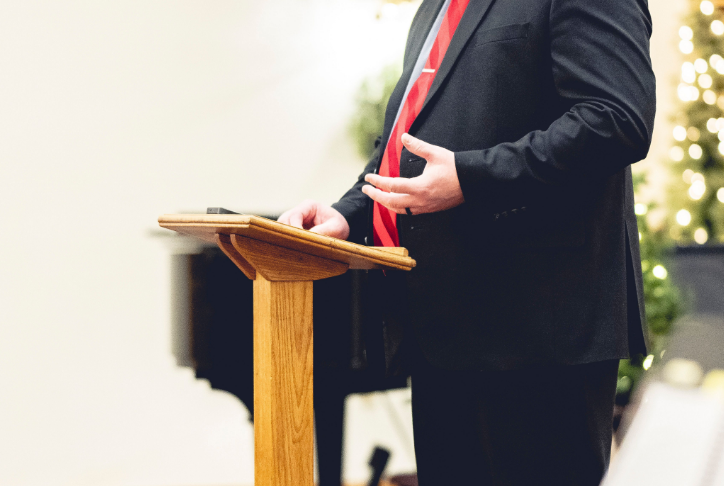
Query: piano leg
x=329, y=424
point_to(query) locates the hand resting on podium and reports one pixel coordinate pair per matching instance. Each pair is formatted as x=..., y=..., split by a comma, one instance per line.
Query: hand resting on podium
x=317, y=217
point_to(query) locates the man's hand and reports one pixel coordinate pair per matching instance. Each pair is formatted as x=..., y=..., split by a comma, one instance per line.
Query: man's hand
x=437, y=189
x=317, y=217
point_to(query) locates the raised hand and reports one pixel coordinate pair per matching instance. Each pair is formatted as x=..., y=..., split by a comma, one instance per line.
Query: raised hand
x=437, y=189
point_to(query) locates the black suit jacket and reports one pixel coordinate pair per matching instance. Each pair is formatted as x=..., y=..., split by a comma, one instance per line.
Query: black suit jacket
x=545, y=104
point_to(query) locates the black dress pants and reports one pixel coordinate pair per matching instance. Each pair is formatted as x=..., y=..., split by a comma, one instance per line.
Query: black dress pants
x=547, y=425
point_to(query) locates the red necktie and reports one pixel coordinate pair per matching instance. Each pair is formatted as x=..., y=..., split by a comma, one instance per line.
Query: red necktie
x=384, y=220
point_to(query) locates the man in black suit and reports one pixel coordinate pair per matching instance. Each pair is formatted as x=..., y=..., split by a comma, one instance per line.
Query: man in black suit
x=515, y=198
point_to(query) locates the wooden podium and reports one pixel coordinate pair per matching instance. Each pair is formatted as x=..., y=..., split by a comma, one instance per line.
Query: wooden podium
x=283, y=261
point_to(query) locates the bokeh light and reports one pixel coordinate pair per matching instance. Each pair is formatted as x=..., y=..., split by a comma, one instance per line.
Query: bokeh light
x=697, y=190
x=683, y=217
x=717, y=27
x=707, y=8
x=701, y=236
x=660, y=272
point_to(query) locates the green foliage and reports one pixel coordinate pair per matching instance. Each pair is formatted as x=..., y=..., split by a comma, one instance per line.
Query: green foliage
x=662, y=300
x=371, y=101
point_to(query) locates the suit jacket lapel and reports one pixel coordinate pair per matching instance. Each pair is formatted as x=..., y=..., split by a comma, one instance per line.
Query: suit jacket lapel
x=472, y=17
x=421, y=25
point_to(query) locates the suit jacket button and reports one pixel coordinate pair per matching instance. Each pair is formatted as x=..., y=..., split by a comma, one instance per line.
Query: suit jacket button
x=366, y=243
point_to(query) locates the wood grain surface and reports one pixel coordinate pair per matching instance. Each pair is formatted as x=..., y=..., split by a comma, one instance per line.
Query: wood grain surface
x=206, y=226
x=283, y=392
x=277, y=263
x=224, y=243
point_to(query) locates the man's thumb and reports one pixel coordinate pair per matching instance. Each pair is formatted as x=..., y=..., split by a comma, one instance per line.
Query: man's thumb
x=417, y=146
x=328, y=228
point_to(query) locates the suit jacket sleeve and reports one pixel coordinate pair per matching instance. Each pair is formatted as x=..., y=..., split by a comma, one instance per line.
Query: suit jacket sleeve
x=602, y=73
x=353, y=204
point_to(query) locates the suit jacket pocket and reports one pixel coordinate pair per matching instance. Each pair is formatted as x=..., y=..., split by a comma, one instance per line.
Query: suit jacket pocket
x=503, y=33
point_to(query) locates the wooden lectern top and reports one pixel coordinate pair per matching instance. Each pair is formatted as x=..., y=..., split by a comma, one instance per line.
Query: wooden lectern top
x=209, y=226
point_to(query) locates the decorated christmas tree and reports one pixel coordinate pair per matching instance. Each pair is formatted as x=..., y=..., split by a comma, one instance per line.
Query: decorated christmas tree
x=697, y=155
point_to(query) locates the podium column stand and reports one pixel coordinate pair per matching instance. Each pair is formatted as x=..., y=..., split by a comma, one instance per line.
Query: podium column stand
x=283, y=391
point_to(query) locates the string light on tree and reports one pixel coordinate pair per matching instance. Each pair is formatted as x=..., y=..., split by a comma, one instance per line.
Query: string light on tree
x=701, y=236
x=697, y=190
x=660, y=272
x=683, y=217
x=686, y=46
x=717, y=27
x=676, y=153
x=688, y=73
x=687, y=175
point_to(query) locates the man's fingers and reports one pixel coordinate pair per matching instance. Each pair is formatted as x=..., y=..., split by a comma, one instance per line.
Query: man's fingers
x=400, y=185
x=297, y=219
x=297, y=216
x=284, y=218
x=395, y=202
x=418, y=147
x=328, y=228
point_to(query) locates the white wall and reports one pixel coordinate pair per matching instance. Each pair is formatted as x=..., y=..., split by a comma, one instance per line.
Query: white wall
x=112, y=113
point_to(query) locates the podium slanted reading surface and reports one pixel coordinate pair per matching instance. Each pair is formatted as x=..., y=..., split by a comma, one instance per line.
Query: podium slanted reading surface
x=283, y=261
